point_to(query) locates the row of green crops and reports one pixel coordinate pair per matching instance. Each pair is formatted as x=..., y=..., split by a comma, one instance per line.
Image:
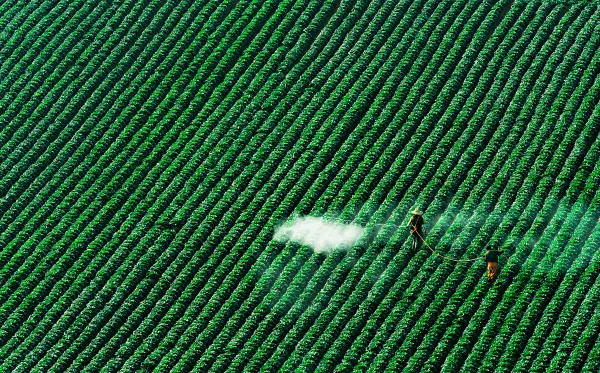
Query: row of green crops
x=220, y=119
x=484, y=210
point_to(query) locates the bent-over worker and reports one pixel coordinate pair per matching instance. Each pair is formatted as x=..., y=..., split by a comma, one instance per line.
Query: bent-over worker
x=416, y=228
x=491, y=257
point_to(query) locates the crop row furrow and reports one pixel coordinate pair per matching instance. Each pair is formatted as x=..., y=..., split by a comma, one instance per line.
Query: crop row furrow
x=434, y=185
x=27, y=94
x=468, y=309
x=380, y=192
x=448, y=310
x=493, y=93
x=101, y=141
x=141, y=208
x=124, y=327
x=320, y=180
x=537, y=177
x=243, y=183
x=580, y=344
x=500, y=210
x=14, y=12
x=109, y=184
x=27, y=30
x=18, y=200
x=573, y=191
x=16, y=259
x=313, y=309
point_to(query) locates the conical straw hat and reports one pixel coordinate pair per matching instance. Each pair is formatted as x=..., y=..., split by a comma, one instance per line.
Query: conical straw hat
x=417, y=211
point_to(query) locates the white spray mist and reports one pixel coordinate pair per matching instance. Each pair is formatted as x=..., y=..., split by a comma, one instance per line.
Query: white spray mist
x=322, y=235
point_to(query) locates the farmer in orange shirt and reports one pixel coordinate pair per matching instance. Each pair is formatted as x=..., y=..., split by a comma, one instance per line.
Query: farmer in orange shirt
x=491, y=257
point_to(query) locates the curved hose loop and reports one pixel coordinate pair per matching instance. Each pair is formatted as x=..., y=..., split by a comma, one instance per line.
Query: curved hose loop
x=442, y=256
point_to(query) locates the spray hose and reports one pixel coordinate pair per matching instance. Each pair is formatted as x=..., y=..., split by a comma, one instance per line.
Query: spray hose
x=446, y=257
x=440, y=255
x=507, y=259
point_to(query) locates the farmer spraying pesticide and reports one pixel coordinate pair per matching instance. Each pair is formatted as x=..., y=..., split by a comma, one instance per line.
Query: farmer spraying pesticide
x=416, y=228
x=415, y=224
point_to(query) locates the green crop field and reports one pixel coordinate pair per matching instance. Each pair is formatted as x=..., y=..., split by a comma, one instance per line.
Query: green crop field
x=149, y=150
